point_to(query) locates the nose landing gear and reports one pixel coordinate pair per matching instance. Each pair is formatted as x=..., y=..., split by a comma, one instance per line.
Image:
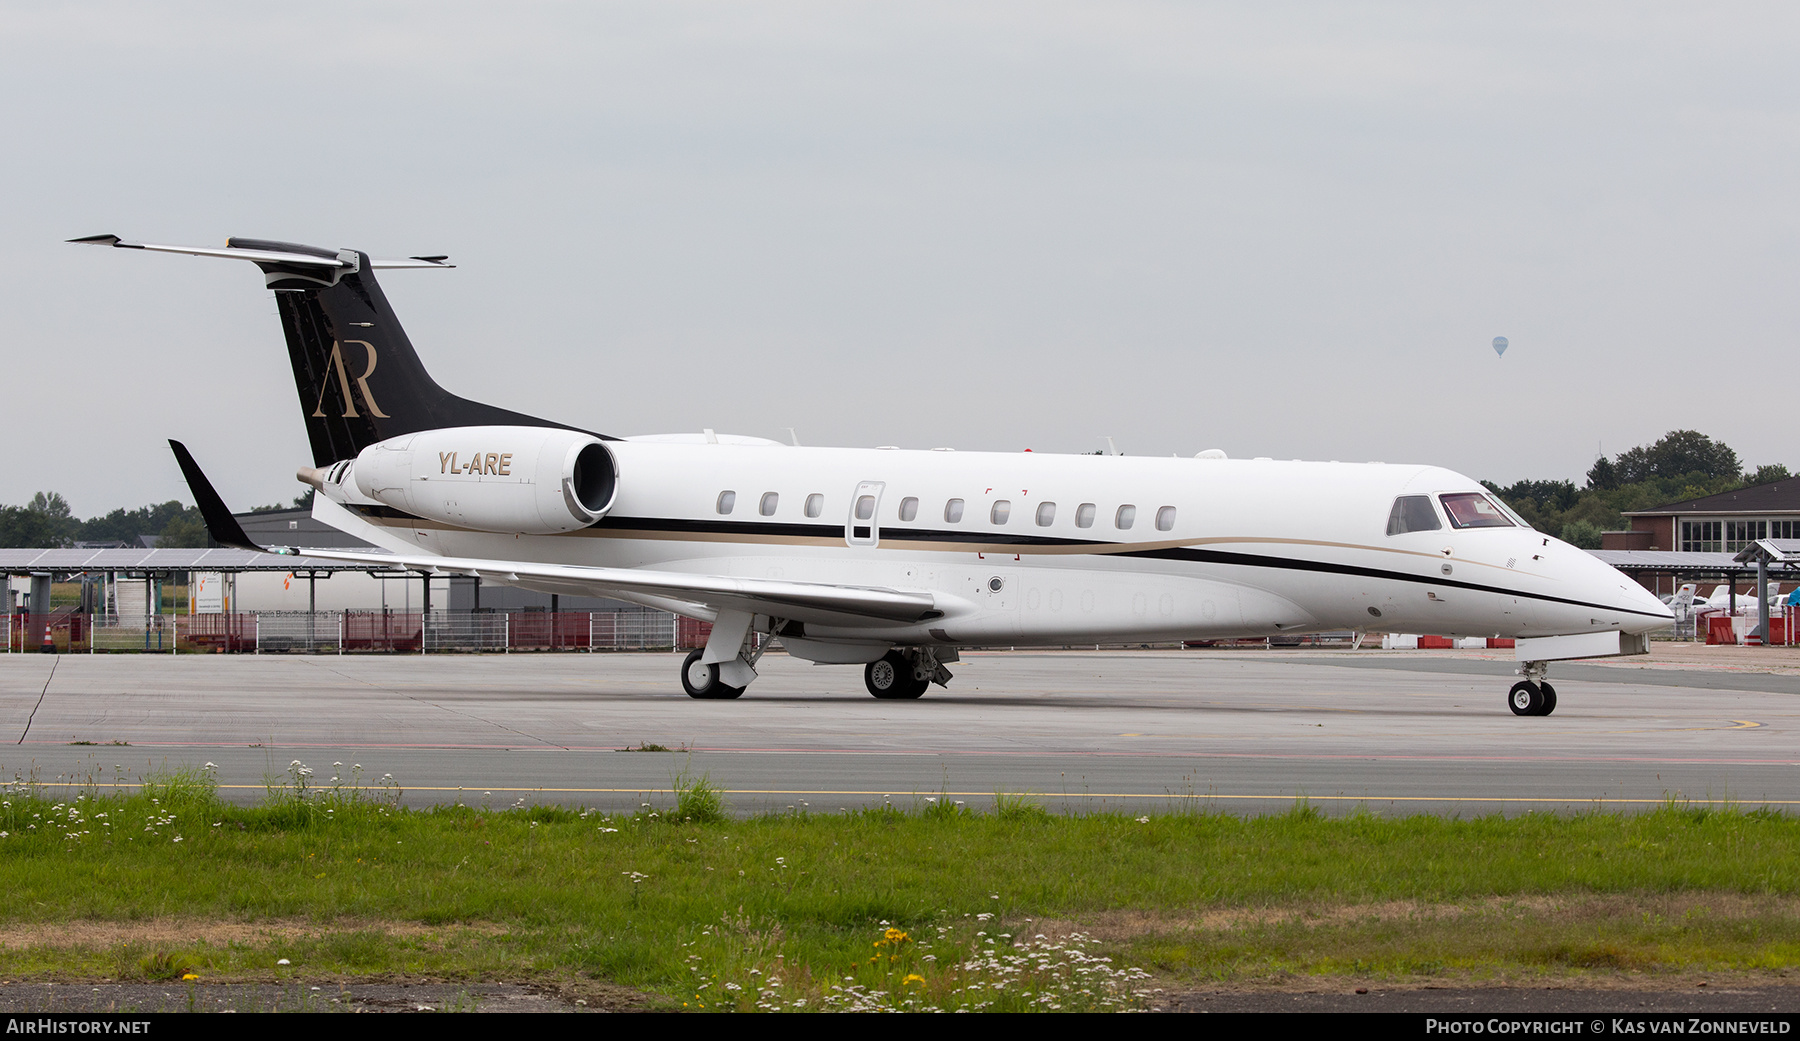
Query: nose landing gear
x=1532, y=696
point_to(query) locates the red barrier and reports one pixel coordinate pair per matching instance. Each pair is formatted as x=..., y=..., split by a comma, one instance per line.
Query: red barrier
x=1718, y=629
x=690, y=633
x=214, y=633
x=544, y=630
x=383, y=631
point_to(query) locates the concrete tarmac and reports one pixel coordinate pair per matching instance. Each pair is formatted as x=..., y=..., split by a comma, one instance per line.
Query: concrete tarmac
x=1128, y=731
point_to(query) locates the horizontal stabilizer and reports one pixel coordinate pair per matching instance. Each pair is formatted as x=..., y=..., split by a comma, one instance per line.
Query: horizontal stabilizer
x=281, y=253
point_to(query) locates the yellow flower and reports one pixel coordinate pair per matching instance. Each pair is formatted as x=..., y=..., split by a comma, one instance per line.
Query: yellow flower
x=190, y=976
x=913, y=978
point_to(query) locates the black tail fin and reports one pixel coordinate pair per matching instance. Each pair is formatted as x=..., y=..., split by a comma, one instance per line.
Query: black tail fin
x=359, y=379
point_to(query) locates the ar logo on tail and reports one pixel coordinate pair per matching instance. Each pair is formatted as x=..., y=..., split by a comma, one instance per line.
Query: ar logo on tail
x=336, y=362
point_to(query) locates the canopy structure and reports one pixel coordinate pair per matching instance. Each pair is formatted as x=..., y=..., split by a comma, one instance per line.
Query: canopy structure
x=139, y=561
x=1766, y=554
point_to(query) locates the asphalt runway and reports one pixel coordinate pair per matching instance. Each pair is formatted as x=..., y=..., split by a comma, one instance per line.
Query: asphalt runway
x=1132, y=731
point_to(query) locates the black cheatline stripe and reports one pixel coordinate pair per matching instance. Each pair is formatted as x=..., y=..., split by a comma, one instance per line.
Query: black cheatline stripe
x=1198, y=556
x=1213, y=556
x=721, y=527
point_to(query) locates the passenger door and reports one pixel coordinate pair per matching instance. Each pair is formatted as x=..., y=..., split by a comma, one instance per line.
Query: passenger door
x=863, y=526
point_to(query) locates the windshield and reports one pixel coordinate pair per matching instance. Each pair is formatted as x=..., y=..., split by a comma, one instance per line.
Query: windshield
x=1473, y=510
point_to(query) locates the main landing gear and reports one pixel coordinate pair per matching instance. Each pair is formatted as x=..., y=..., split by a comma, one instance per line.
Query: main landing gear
x=890, y=678
x=905, y=674
x=702, y=680
x=1532, y=696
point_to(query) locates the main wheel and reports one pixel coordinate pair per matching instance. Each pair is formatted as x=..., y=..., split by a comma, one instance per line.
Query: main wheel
x=1549, y=699
x=1526, y=699
x=890, y=677
x=701, y=680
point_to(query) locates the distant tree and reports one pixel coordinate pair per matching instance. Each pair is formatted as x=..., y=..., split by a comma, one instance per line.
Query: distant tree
x=125, y=526
x=1768, y=473
x=50, y=504
x=23, y=528
x=1603, y=476
x=183, y=532
x=1581, y=535
x=1545, y=495
x=1679, y=453
x=43, y=523
x=304, y=501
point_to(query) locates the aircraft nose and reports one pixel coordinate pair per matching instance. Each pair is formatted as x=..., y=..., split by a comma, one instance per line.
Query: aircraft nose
x=1643, y=612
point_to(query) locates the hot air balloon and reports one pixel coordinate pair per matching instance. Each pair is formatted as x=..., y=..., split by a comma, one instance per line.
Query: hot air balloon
x=1500, y=346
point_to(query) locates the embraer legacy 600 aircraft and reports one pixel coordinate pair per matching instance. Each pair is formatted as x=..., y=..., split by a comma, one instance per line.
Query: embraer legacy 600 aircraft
x=893, y=559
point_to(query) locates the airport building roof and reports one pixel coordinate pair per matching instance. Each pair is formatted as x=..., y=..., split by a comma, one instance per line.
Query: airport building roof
x=1776, y=497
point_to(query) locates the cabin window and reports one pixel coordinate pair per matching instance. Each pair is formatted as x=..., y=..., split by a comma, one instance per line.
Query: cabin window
x=1412, y=513
x=1125, y=518
x=815, y=504
x=769, y=502
x=1473, y=510
x=1001, y=511
x=909, y=508
x=1084, y=515
x=1165, y=518
x=727, y=502
x=953, y=511
x=865, y=507
x=1046, y=514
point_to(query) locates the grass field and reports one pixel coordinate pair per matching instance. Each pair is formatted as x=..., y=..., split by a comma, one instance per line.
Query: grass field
x=927, y=905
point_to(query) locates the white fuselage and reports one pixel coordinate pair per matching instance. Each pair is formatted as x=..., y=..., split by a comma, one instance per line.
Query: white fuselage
x=1217, y=548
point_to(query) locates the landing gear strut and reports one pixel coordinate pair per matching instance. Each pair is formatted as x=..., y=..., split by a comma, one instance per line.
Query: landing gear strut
x=1532, y=696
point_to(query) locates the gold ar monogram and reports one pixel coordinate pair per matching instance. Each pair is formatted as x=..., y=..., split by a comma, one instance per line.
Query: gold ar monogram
x=362, y=382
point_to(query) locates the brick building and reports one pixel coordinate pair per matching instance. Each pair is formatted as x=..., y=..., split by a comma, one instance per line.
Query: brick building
x=1723, y=523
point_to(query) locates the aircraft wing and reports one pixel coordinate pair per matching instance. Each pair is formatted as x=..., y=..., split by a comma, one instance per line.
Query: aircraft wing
x=817, y=602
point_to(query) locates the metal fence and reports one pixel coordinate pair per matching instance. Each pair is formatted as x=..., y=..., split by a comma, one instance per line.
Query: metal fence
x=354, y=632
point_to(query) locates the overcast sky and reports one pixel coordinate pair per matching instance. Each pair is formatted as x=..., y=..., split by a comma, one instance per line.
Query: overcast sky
x=1284, y=230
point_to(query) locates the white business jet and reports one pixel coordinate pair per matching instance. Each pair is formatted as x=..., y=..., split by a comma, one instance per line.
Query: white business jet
x=893, y=559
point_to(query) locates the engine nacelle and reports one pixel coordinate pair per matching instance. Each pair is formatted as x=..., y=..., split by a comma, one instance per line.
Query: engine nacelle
x=528, y=480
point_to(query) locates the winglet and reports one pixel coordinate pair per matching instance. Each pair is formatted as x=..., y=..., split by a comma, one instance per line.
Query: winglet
x=220, y=524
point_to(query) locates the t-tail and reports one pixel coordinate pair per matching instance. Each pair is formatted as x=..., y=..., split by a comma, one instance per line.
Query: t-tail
x=359, y=379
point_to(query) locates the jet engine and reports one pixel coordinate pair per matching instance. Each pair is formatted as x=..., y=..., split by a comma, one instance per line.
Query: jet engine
x=525, y=480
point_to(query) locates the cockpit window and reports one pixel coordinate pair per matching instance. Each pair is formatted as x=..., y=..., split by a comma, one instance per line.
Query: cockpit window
x=1412, y=513
x=1511, y=513
x=1473, y=510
